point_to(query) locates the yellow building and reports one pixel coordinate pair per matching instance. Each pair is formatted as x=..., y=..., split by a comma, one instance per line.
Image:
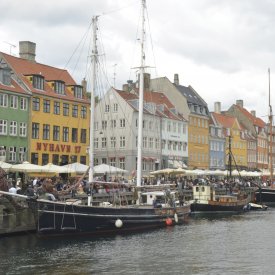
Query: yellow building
x=233, y=129
x=60, y=114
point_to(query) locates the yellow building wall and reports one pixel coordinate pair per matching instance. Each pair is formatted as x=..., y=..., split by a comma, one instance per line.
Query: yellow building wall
x=50, y=146
x=238, y=146
x=198, y=144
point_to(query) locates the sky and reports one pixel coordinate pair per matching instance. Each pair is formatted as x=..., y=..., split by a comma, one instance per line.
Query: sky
x=222, y=48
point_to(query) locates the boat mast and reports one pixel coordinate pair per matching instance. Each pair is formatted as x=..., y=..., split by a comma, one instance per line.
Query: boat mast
x=92, y=109
x=270, y=131
x=141, y=90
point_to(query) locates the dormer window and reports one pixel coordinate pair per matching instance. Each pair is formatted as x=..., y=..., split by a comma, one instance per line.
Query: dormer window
x=38, y=82
x=59, y=87
x=78, y=91
x=5, y=76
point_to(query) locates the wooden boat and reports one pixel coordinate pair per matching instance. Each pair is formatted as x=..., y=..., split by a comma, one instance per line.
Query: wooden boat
x=206, y=201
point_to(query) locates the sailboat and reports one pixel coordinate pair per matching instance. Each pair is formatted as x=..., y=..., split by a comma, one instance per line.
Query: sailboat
x=73, y=217
x=266, y=194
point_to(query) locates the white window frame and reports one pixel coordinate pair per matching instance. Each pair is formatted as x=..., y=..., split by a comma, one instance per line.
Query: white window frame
x=4, y=100
x=23, y=104
x=14, y=101
x=12, y=154
x=3, y=127
x=13, y=128
x=22, y=129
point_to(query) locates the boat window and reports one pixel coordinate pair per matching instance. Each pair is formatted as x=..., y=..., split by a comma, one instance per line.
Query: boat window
x=197, y=189
x=202, y=189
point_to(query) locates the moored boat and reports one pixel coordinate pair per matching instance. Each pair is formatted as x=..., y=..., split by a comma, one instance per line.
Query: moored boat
x=206, y=201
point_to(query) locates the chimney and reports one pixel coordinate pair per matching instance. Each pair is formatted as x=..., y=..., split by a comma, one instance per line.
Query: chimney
x=176, y=79
x=239, y=102
x=129, y=86
x=84, y=85
x=253, y=113
x=27, y=50
x=147, y=81
x=217, y=107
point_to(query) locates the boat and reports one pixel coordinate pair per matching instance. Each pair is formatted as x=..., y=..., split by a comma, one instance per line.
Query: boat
x=257, y=207
x=205, y=200
x=73, y=217
x=266, y=194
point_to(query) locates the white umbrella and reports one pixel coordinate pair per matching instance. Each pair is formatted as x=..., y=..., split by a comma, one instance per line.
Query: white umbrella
x=27, y=167
x=4, y=165
x=104, y=168
x=77, y=167
x=52, y=168
x=163, y=171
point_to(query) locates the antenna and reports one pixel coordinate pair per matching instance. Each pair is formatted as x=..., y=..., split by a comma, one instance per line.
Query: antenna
x=114, y=78
x=11, y=45
x=270, y=131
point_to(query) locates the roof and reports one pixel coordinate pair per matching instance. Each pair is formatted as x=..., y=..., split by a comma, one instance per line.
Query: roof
x=23, y=68
x=225, y=120
x=255, y=120
x=14, y=87
x=191, y=95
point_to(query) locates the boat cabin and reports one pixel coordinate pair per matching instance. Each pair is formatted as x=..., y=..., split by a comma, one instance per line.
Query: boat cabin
x=159, y=197
x=203, y=192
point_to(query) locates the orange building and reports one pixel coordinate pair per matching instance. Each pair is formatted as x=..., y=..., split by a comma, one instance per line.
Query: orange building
x=60, y=116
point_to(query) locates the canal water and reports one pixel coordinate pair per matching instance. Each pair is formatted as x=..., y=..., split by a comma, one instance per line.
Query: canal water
x=238, y=244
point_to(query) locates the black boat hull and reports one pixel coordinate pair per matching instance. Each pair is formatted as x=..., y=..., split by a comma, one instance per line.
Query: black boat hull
x=266, y=196
x=60, y=219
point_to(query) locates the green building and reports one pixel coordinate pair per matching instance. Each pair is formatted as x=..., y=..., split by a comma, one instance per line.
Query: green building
x=14, y=116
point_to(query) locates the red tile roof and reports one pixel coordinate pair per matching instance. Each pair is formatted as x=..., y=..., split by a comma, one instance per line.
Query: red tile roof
x=225, y=120
x=255, y=120
x=23, y=68
x=14, y=87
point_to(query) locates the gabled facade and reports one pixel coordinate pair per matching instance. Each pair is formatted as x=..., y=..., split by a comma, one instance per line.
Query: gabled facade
x=256, y=127
x=14, y=116
x=233, y=132
x=217, y=148
x=59, y=112
x=188, y=102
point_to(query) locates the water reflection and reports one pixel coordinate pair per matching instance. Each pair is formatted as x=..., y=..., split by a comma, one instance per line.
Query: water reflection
x=237, y=244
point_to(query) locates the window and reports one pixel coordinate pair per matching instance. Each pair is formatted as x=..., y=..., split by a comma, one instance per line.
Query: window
x=56, y=132
x=13, y=128
x=122, y=123
x=12, y=154
x=34, y=158
x=65, y=134
x=22, y=154
x=35, y=104
x=56, y=108
x=103, y=143
x=13, y=101
x=122, y=142
x=96, y=125
x=46, y=106
x=83, y=159
x=23, y=103
x=157, y=143
x=22, y=129
x=113, y=162
x=55, y=159
x=65, y=109
x=35, y=130
x=168, y=126
x=3, y=153
x=96, y=161
x=107, y=108
x=122, y=163
x=3, y=100
x=151, y=143
x=113, y=123
x=144, y=142
x=83, y=136
x=5, y=76
x=46, y=131
x=75, y=111
x=78, y=91
x=104, y=124
x=59, y=87
x=113, y=142
x=3, y=127
x=150, y=125
x=83, y=112
x=96, y=143
x=74, y=134
x=38, y=82
x=45, y=159
x=115, y=107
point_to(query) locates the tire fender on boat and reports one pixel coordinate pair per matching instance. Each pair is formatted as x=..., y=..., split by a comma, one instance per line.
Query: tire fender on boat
x=118, y=223
x=176, y=217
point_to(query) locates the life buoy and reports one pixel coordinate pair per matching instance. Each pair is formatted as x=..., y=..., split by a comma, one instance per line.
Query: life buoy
x=169, y=221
